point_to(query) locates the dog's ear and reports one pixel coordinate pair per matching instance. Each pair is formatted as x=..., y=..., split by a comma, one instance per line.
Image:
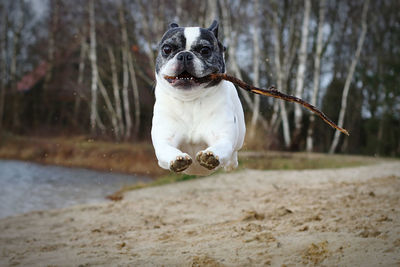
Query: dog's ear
x=214, y=28
x=173, y=25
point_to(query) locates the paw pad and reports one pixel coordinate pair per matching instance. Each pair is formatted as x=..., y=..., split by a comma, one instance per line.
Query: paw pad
x=180, y=164
x=207, y=159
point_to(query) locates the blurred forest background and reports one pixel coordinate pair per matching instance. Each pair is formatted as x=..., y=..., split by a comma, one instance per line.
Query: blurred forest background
x=71, y=67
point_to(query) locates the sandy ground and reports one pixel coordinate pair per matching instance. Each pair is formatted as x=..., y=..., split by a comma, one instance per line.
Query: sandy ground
x=341, y=217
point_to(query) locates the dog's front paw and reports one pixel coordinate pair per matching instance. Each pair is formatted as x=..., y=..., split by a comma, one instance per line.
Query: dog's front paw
x=207, y=159
x=180, y=164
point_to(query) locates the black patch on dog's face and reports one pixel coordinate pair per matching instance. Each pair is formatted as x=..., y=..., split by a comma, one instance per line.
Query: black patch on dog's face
x=213, y=63
x=175, y=38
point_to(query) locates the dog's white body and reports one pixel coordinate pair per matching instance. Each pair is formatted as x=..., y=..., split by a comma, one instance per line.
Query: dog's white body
x=199, y=120
x=211, y=121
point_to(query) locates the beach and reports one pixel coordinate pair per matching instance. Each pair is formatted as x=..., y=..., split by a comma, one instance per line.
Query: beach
x=331, y=217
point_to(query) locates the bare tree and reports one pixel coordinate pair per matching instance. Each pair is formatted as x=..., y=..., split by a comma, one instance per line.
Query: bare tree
x=125, y=95
x=128, y=70
x=148, y=30
x=317, y=71
x=82, y=57
x=212, y=12
x=350, y=74
x=96, y=83
x=54, y=17
x=298, y=111
x=136, y=97
x=256, y=68
x=179, y=11
x=16, y=45
x=93, y=62
x=282, y=74
x=117, y=98
x=3, y=66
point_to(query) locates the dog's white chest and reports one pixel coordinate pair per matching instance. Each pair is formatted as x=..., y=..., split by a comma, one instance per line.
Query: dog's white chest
x=193, y=119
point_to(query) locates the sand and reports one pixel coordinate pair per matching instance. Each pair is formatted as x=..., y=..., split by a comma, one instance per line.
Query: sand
x=334, y=217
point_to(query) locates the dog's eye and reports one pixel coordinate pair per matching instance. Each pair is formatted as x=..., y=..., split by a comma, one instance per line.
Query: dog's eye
x=205, y=51
x=167, y=49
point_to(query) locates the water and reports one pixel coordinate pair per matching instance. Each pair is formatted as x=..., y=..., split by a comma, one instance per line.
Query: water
x=28, y=186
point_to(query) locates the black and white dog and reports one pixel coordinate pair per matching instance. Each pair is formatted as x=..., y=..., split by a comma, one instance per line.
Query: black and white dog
x=198, y=126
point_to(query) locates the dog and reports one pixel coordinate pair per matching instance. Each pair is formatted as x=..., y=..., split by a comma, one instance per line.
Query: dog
x=198, y=125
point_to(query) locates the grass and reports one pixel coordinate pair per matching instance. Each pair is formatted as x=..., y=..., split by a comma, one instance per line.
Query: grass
x=273, y=160
x=79, y=151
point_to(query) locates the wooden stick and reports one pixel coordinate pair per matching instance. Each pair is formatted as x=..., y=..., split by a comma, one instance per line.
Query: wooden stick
x=272, y=92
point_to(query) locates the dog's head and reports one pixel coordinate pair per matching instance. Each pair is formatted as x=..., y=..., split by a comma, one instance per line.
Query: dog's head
x=188, y=54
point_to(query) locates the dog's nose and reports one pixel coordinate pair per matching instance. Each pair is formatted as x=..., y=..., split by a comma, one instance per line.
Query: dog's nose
x=184, y=56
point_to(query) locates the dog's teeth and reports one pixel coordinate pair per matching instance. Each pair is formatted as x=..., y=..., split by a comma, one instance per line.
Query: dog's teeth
x=184, y=78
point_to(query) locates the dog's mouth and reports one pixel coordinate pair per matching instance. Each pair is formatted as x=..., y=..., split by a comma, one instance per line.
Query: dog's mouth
x=185, y=79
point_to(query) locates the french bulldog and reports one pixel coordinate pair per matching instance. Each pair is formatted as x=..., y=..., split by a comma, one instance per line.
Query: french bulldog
x=198, y=124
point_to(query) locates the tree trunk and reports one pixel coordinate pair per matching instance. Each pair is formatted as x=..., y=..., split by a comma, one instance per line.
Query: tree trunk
x=82, y=57
x=125, y=67
x=280, y=80
x=95, y=120
x=109, y=107
x=50, y=52
x=3, y=66
x=256, y=69
x=212, y=12
x=15, y=49
x=350, y=74
x=158, y=22
x=179, y=11
x=93, y=61
x=13, y=67
x=317, y=71
x=117, y=98
x=148, y=32
x=298, y=110
x=136, y=96
x=125, y=96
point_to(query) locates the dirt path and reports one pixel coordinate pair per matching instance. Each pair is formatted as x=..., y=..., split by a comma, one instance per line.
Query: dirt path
x=341, y=217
